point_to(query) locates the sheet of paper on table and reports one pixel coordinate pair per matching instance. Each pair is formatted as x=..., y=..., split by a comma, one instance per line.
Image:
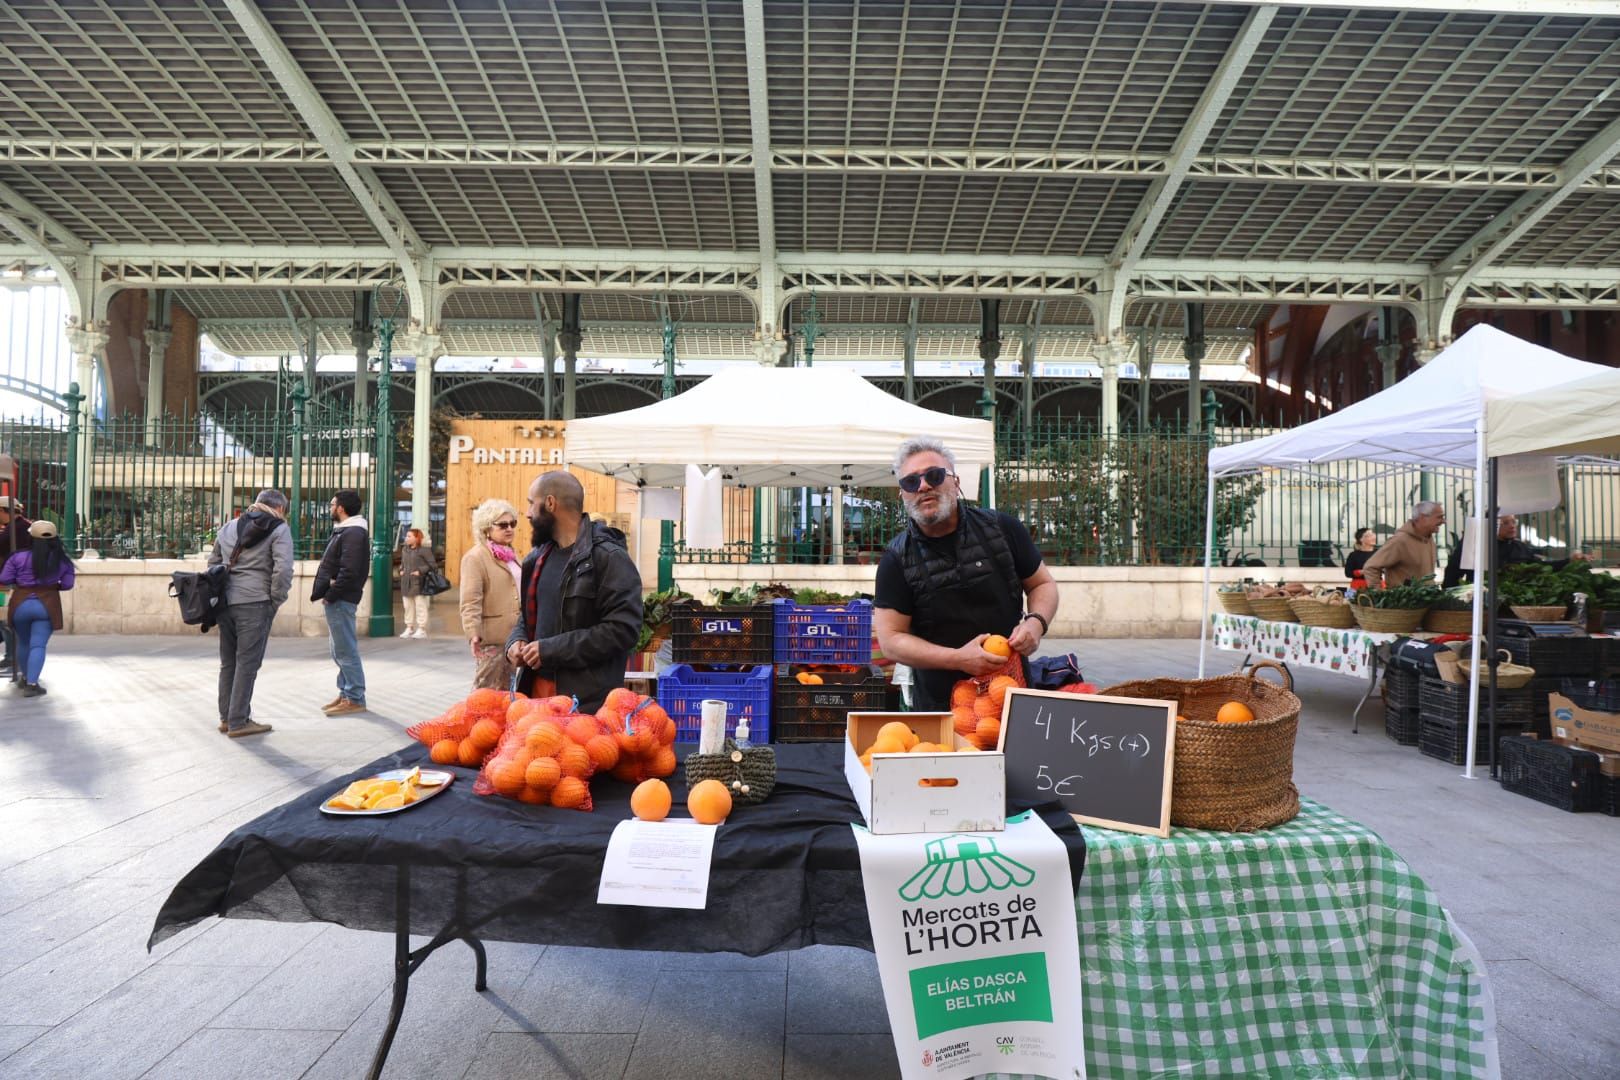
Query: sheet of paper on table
x=658, y=864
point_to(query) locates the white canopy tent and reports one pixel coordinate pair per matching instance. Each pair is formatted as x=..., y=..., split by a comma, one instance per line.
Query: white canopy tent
x=775, y=427
x=1487, y=395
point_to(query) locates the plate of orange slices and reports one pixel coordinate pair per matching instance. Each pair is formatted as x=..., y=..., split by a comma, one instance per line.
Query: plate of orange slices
x=387, y=792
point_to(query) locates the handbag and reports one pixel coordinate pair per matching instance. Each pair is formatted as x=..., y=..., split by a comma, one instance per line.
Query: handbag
x=434, y=582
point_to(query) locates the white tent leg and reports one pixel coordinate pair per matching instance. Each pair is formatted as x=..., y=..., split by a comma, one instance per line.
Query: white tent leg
x=1209, y=555
x=1479, y=592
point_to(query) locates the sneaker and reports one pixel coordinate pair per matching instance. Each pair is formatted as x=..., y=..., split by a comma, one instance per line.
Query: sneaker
x=344, y=707
x=420, y=634
x=32, y=690
x=407, y=632
x=334, y=703
x=249, y=728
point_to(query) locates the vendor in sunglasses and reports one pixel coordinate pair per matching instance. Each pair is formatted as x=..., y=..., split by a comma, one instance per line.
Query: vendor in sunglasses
x=956, y=575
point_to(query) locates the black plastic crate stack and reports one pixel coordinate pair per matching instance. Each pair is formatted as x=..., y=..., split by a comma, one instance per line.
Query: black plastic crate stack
x=1443, y=731
x=1596, y=695
x=819, y=713
x=721, y=635
x=1402, y=716
x=1548, y=772
x=1579, y=656
x=1540, y=687
x=1609, y=802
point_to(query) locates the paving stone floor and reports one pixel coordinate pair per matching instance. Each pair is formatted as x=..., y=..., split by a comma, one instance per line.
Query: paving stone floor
x=114, y=784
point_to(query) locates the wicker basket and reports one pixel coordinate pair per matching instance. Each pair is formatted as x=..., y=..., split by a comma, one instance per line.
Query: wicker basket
x=1547, y=613
x=1234, y=603
x=1273, y=608
x=1509, y=676
x=750, y=775
x=1448, y=622
x=1387, y=620
x=1313, y=611
x=1229, y=777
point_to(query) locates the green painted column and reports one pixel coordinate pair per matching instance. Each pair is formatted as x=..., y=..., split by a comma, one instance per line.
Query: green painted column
x=70, y=532
x=382, y=463
x=666, y=529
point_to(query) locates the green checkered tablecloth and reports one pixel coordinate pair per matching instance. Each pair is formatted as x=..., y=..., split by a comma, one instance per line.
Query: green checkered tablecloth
x=1308, y=950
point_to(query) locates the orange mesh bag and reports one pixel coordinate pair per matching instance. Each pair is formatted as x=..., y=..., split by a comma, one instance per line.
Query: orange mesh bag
x=644, y=733
x=468, y=731
x=976, y=704
x=539, y=762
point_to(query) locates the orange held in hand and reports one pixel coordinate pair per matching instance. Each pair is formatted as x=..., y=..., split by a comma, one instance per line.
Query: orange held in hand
x=996, y=645
x=651, y=800
x=1234, y=712
x=708, y=802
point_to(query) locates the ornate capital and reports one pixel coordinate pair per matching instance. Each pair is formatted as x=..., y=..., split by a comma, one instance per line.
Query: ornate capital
x=87, y=340
x=425, y=347
x=157, y=342
x=1111, y=354
x=769, y=349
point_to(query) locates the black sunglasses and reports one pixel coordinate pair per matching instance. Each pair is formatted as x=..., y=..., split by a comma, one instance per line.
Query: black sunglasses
x=506, y=525
x=911, y=483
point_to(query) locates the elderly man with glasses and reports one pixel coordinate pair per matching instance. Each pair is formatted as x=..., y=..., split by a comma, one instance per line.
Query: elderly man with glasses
x=956, y=576
x=489, y=592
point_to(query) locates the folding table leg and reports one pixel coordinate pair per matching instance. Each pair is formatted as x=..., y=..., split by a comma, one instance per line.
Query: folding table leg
x=402, y=967
x=480, y=981
x=1372, y=684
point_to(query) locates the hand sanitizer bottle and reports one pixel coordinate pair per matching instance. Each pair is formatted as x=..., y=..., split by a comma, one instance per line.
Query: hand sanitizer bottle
x=741, y=736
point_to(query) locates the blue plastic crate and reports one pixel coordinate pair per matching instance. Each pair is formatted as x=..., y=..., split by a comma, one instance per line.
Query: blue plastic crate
x=823, y=633
x=746, y=690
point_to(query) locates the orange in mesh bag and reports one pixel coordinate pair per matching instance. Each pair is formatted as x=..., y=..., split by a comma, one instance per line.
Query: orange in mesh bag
x=466, y=732
x=976, y=704
x=547, y=755
x=644, y=734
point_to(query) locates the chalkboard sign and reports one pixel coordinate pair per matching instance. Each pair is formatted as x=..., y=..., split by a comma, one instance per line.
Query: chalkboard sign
x=1107, y=760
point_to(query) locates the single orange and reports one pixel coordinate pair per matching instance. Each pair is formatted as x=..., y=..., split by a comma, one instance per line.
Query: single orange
x=629, y=770
x=963, y=693
x=999, y=687
x=662, y=762
x=604, y=752
x=446, y=752
x=1234, y=712
x=651, y=800
x=708, y=802
x=470, y=754
x=542, y=773
x=485, y=734
x=986, y=707
x=534, y=796
x=575, y=761
x=545, y=739
x=666, y=735
x=963, y=720
x=986, y=734
x=506, y=777
x=570, y=793
x=996, y=645
x=582, y=729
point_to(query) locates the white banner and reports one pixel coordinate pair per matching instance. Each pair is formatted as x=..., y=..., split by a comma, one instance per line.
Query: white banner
x=978, y=950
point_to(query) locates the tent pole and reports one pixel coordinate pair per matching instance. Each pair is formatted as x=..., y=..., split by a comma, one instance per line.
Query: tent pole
x=1480, y=481
x=1494, y=568
x=1209, y=553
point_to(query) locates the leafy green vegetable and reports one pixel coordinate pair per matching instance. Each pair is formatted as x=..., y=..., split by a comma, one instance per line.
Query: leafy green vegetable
x=655, y=614
x=1417, y=593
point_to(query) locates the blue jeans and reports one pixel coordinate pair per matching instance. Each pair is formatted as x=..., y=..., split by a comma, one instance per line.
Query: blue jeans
x=351, y=680
x=33, y=624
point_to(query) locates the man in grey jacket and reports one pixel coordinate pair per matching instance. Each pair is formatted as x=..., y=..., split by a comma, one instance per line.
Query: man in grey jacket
x=258, y=550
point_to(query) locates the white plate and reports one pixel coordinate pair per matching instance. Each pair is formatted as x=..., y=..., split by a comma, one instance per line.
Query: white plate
x=427, y=784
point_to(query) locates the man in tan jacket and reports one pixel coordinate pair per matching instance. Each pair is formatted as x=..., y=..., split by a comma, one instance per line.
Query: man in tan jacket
x=1409, y=554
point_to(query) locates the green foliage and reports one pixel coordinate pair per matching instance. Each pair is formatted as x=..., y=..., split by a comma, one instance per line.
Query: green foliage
x=1539, y=585
x=655, y=613
x=1418, y=593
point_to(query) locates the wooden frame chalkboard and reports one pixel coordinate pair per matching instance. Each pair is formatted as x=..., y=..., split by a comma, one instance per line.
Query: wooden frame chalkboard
x=1108, y=760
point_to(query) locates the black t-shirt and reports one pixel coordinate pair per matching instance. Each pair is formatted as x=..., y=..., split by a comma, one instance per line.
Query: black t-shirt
x=1357, y=560
x=974, y=616
x=548, y=594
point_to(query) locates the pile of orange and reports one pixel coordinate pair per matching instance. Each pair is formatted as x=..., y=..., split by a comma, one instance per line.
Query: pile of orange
x=643, y=733
x=976, y=709
x=548, y=755
x=468, y=732
x=896, y=737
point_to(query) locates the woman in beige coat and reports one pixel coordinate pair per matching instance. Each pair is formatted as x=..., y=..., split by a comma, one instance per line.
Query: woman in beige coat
x=489, y=591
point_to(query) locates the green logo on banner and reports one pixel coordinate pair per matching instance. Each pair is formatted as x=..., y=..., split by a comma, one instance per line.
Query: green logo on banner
x=964, y=864
x=1001, y=989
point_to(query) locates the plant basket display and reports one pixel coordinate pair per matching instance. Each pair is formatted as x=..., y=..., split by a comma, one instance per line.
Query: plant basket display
x=1539, y=612
x=1326, y=609
x=1395, y=611
x=1273, y=608
x=1233, y=777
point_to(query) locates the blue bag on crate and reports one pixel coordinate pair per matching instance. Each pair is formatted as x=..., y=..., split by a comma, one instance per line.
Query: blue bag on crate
x=1054, y=672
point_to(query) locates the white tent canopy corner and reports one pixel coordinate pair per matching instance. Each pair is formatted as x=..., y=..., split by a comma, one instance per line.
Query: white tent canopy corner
x=1488, y=394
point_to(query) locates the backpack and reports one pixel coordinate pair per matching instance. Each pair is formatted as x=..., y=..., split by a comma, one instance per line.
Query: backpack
x=202, y=592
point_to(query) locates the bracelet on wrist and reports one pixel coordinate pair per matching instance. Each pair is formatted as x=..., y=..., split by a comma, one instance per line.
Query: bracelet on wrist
x=1038, y=617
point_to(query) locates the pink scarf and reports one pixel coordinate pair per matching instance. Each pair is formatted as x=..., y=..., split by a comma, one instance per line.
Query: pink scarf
x=507, y=556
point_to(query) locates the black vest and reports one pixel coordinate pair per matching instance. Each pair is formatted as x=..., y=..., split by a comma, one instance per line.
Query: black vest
x=936, y=579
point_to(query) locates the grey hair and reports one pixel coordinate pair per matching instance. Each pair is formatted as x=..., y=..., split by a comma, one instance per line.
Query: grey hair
x=485, y=513
x=922, y=444
x=1424, y=508
x=272, y=499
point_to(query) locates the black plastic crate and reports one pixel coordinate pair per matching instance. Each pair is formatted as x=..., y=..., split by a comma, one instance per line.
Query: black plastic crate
x=1540, y=688
x=1448, y=741
x=1439, y=700
x=1402, y=725
x=1599, y=695
x=1401, y=688
x=1556, y=655
x=1609, y=803
x=721, y=635
x=1560, y=776
x=820, y=713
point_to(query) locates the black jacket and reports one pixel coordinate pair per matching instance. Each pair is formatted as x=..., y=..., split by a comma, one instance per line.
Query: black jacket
x=1508, y=552
x=598, y=622
x=345, y=565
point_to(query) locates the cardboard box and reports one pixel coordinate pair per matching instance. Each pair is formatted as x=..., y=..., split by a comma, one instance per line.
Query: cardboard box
x=894, y=799
x=1582, y=727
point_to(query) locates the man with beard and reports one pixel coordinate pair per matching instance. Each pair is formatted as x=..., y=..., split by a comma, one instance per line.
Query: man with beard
x=340, y=581
x=957, y=575
x=580, y=598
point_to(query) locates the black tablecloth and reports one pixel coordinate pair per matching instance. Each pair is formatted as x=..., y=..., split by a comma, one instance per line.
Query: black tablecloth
x=786, y=873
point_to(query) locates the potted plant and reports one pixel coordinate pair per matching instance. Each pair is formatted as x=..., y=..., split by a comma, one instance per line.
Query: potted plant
x=1536, y=592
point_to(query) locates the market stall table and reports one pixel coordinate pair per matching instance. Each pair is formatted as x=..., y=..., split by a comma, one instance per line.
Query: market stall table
x=1353, y=653
x=1247, y=953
